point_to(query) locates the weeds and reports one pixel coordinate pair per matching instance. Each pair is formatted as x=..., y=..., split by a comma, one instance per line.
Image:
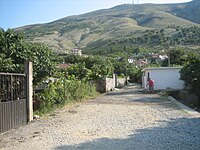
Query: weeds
x=62, y=92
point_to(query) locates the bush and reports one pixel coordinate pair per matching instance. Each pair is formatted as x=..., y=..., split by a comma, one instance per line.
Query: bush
x=190, y=73
x=135, y=75
x=62, y=92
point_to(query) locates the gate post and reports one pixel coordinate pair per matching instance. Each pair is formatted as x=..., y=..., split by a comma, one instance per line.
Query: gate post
x=29, y=80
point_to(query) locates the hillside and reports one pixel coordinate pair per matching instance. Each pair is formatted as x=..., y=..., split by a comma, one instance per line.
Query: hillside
x=190, y=11
x=94, y=30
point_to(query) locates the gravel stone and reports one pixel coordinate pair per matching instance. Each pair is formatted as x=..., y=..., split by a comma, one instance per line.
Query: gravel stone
x=125, y=119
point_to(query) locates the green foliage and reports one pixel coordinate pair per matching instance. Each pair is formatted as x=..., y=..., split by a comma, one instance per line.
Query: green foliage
x=177, y=57
x=190, y=73
x=152, y=38
x=89, y=68
x=14, y=51
x=72, y=59
x=48, y=98
x=120, y=67
x=93, y=31
x=135, y=75
x=79, y=70
x=42, y=57
x=6, y=64
x=62, y=92
x=102, y=69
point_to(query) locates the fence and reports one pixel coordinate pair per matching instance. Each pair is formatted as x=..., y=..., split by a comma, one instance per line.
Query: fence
x=15, y=99
x=13, y=105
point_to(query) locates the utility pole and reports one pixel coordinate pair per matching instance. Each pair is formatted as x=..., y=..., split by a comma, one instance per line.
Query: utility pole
x=169, y=63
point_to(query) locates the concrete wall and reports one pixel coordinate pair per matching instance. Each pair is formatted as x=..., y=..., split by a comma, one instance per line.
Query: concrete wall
x=29, y=74
x=100, y=85
x=121, y=82
x=164, y=78
x=109, y=84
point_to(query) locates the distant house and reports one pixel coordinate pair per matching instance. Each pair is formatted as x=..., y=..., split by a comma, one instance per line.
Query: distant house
x=142, y=62
x=138, y=60
x=164, y=77
x=76, y=51
x=157, y=58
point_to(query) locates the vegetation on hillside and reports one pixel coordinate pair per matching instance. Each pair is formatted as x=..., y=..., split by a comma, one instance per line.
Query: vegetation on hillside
x=133, y=24
x=109, y=37
x=151, y=39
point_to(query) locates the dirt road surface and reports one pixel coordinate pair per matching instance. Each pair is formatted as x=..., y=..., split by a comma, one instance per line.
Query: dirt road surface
x=125, y=119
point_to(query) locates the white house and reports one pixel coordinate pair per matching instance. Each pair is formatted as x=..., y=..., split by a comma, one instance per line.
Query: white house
x=164, y=77
x=76, y=51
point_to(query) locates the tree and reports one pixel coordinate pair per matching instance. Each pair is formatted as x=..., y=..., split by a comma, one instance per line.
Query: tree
x=135, y=74
x=177, y=56
x=79, y=71
x=42, y=57
x=102, y=69
x=6, y=64
x=14, y=50
x=190, y=73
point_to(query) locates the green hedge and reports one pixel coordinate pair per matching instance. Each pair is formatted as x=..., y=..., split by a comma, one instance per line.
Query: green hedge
x=62, y=92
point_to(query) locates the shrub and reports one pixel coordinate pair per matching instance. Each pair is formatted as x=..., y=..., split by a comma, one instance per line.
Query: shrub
x=135, y=75
x=190, y=73
x=62, y=92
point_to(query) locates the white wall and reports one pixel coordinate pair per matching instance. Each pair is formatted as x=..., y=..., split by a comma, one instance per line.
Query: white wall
x=164, y=78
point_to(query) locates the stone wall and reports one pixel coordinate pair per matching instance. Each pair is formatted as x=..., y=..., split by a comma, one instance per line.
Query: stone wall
x=121, y=82
x=109, y=84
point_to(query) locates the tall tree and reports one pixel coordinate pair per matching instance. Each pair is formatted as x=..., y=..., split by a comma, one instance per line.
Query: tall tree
x=14, y=50
x=190, y=73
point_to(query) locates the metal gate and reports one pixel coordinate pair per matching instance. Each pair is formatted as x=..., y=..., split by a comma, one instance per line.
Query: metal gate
x=13, y=101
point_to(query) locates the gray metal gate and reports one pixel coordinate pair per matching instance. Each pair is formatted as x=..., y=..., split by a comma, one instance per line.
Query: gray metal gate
x=13, y=101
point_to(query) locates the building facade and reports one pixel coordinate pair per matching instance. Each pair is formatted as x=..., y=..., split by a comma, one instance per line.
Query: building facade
x=76, y=51
x=164, y=77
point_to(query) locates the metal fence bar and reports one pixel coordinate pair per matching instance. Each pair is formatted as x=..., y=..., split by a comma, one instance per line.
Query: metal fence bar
x=12, y=87
x=17, y=74
x=13, y=101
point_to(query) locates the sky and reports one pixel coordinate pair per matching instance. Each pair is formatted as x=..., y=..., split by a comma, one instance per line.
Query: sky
x=17, y=13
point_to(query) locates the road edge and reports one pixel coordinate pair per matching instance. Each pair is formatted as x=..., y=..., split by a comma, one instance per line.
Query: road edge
x=183, y=107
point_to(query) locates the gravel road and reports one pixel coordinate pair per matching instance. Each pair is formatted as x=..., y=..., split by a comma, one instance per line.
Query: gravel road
x=125, y=119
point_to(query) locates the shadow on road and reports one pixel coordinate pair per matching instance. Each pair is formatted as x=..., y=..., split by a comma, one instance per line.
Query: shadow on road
x=177, y=134
x=180, y=134
x=135, y=96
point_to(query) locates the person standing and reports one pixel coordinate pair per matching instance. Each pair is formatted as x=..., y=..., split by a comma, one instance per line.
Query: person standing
x=151, y=84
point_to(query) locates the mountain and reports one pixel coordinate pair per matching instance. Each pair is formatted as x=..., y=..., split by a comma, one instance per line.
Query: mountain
x=190, y=11
x=93, y=30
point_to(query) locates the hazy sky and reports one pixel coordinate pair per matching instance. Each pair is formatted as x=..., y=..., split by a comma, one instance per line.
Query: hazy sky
x=16, y=13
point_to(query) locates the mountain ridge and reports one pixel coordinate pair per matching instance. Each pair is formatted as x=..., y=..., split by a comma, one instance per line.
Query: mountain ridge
x=122, y=21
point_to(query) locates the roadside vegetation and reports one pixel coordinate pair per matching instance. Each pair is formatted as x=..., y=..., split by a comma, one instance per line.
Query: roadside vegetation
x=61, y=92
x=73, y=83
x=14, y=50
x=190, y=73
